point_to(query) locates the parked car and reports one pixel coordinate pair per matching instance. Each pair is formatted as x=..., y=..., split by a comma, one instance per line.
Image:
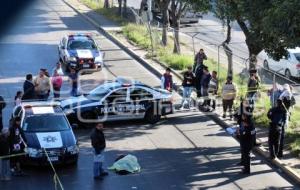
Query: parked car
x=80, y=51
x=288, y=66
x=119, y=100
x=48, y=134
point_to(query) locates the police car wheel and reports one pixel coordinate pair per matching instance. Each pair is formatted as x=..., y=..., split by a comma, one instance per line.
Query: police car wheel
x=151, y=117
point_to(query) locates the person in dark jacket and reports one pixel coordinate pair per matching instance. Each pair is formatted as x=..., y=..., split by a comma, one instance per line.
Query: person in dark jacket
x=99, y=144
x=17, y=145
x=277, y=117
x=198, y=60
x=204, y=86
x=28, y=88
x=187, y=84
x=167, y=81
x=4, y=152
x=2, y=106
x=246, y=133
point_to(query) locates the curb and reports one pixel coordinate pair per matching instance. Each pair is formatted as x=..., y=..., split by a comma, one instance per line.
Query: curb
x=261, y=151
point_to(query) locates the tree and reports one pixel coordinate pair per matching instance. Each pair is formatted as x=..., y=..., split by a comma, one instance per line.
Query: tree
x=177, y=8
x=106, y=4
x=220, y=10
x=164, y=4
x=281, y=28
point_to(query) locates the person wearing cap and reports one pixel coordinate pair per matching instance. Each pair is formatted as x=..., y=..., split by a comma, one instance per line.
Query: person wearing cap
x=4, y=153
x=253, y=87
x=17, y=145
x=99, y=145
x=167, y=81
x=42, y=85
x=228, y=95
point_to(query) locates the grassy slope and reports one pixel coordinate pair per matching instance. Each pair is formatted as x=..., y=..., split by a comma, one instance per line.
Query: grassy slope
x=139, y=35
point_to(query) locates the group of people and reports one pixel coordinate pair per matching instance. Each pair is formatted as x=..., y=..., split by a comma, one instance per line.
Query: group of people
x=206, y=85
x=40, y=87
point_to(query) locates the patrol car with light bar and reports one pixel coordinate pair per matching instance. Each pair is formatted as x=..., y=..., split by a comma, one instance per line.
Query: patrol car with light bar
x=122, y=99
x=48, y=134
x=80, y=51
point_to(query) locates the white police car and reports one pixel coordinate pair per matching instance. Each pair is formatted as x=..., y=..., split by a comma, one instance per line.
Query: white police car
x=48, y=133
x=80, y=51
x=119, y=100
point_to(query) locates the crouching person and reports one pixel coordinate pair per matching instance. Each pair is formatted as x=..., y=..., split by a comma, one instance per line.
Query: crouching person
x=99, y=144
x=4, y=156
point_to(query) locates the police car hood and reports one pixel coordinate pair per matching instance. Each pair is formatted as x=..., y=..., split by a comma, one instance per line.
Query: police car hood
x=84, y=53
x=50, y=139
x=75, y=102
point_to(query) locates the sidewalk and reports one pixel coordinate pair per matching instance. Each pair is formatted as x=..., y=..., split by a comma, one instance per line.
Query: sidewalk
x=108, y=26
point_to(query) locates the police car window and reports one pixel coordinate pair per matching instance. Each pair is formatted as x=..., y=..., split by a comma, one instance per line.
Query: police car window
x=117, y=96
x=81, y=44
x=140, y=94
x=45, y=123
x=99, y=92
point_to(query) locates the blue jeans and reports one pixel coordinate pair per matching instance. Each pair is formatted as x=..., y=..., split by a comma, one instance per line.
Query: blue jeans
x=4, y=168
x=98, y=164
x=74, y=91
x=187, y=91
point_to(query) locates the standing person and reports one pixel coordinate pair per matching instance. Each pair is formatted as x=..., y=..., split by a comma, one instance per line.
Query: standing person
x=253, y=87
x=204, y=86
x=42, y=85
x=28, y=88
x=17, y=145
x=246, y=132
x=56, y=83
x=198, y=60
x=18, y=98
x=2, y=106
x=198, y=76
x=58, y=68
x=99, y=144
x=286, y=100
x=213, y=89
x=4, y=152
x=188, y=82
x=167, y=81
x=277, y=117
x=73, y=78
x=228, y=94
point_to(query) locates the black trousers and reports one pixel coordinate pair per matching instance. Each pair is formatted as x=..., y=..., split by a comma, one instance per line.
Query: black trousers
x=247, y=142
x=227, y=104
x=213, y=103
x=1, y=123
x=274, y=140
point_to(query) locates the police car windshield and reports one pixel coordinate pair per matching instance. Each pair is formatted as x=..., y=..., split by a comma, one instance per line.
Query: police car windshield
x=100, y=91
x=81, y=44
x=45, y=123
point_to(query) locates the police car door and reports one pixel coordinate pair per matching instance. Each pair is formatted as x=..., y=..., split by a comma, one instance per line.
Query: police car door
x=142, y=100
x=116, y=105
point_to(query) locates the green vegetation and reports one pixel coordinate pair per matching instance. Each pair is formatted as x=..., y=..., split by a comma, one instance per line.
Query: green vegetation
x=110, y=13
x=139, y=35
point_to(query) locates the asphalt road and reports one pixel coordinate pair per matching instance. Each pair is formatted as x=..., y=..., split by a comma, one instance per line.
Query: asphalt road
x=183, y=151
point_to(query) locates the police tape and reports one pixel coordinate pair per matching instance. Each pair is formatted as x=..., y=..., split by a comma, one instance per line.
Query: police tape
x=56, y=178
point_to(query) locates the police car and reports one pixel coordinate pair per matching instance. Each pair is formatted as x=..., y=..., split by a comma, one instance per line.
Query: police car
x=48, y=134
x=119, y=100
x=80, y=51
